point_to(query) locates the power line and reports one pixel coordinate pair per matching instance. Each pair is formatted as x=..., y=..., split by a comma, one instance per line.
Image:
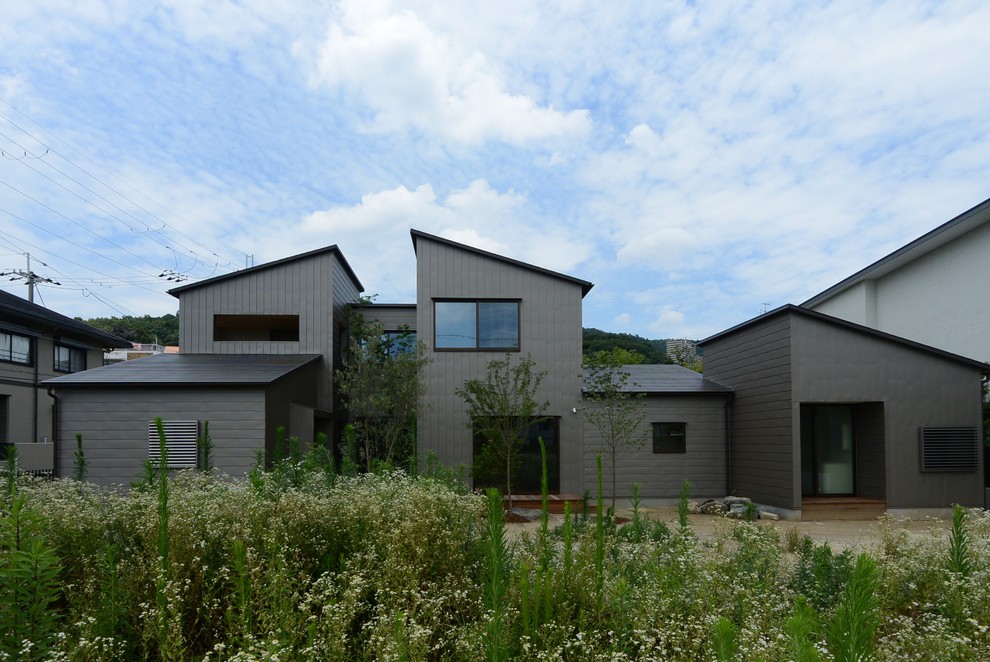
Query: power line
x=229, y=262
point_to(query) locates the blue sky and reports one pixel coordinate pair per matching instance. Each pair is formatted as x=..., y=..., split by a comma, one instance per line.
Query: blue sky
x=695, y=162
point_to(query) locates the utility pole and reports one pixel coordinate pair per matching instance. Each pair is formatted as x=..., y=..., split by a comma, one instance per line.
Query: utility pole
x=29, y=276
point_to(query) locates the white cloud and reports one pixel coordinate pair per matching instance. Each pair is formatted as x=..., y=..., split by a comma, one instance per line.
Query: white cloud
x=622, y=320
x=414, y=77
x=668, y=321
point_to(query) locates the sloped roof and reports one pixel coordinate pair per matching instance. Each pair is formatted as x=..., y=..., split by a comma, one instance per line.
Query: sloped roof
x=943, y=234
x=583, y=284
x=175, y=291
x=858, y=328
x=665, y=379
x=15, y=310
x=190, y=370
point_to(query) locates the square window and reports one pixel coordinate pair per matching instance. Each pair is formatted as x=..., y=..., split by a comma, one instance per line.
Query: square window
x=15, y=348
x=670, y=437
x=69, y=359
x=482, y=325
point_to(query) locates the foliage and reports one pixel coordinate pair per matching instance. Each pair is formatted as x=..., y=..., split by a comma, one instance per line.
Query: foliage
x=382, y=387
x=79, y=460
x=163, y=330
x=652, y=351
x=404, y=567
x=612, y=409
x=503, y=405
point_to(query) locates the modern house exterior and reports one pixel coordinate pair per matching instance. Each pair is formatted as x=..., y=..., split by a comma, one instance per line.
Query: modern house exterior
x=932, y=290
x=257, y=352
x=37, y=344
x=793, y=405
x=826, y=408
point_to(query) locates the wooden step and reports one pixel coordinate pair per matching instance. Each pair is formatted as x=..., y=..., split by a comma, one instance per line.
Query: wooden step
x=555, y=502
x=841, y=508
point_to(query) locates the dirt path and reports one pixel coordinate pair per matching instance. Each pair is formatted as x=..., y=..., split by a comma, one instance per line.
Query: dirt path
x=838, y=533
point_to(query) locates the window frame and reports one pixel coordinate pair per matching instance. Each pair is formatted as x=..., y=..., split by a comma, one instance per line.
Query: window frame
x=478, y=347
x=77, y=351
x=7, y=354
x=659, y=448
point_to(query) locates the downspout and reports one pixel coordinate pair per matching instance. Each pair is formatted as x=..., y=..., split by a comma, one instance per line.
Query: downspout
x=728, y=446
x=56, y=412
x=37, y=385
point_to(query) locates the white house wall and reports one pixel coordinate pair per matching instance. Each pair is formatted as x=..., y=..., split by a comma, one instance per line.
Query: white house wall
x=940, y=299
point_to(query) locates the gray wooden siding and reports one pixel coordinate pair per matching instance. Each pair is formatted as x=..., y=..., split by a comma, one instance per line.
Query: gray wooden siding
x=917, y=388
x=392, y=319
x=282, y=397
x=550, y=320
x=114, y=425
x=661, y=475
x=316, y=288
x=871, y=467
x=756, y=363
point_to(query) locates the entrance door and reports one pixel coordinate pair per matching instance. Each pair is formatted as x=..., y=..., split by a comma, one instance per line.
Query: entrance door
x=827, y=450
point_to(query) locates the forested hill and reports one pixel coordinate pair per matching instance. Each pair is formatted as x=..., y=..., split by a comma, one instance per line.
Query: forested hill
x=164, y=330
x=596, y=340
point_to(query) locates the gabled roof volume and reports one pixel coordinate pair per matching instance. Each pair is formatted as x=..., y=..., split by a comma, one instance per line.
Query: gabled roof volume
x=16, y=310
x=175, y=291
x=583, y=284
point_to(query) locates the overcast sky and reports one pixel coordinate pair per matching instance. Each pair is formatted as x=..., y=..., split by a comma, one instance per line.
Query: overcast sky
x=697, y=163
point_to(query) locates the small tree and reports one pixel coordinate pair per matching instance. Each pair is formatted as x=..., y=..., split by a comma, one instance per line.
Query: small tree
x=502, y=407
x=381, y=385
x=612, y=408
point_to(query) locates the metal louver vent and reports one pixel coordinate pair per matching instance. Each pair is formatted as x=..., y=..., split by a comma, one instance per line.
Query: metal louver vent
x=950, y=449
x=180, y=440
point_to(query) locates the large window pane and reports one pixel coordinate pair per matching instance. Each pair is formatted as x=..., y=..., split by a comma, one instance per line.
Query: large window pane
x=488, y=469
x=498, y=324
x=15, y=348
x=69, y=359
x=456, y=324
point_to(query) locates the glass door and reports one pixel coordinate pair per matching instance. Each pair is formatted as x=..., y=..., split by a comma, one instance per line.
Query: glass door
x=827, y=456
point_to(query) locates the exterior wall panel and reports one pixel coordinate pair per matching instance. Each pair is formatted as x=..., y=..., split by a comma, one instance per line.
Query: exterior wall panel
x=661, y=475
x=114, y=426
x=917, y=388
x=755, y=363
x=550, y=333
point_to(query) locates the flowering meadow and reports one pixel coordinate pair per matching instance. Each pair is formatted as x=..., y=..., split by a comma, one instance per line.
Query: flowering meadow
x=301, y=563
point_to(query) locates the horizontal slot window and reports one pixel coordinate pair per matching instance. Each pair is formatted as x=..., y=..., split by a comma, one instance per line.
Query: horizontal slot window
x=264, y=328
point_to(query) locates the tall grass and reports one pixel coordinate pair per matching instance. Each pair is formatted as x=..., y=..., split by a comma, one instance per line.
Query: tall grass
x=393, y=566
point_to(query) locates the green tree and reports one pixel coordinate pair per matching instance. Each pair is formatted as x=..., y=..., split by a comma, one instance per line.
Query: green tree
x=652, y=351
x=146, y=329
x=382, y=386
x=503, y=405
x=612, y=407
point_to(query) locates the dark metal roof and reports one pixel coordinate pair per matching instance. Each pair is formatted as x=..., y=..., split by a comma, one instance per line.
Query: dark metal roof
x=190, y=370
x=667, y=379
x=858, y=328
x=18, y=311
x=963, y=223
x=175, y=291
x=585, y=285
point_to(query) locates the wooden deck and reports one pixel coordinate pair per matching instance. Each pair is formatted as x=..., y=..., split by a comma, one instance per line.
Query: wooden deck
x=555, y=502
x=841, y=508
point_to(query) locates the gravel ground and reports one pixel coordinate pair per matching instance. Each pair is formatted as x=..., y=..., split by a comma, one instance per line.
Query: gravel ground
x=840, y=534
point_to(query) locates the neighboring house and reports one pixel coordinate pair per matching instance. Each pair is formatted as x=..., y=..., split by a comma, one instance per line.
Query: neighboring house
x=933, y=290
x=37, y=344
x=825, y=407
x=684, y=435
x=138, y=351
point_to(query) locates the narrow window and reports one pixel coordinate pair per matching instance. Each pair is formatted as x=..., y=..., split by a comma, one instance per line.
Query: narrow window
x=479, y=325
x=4, y=434
x=670, y=437
x=15, y=348
x=263, y=328
x=69, y=359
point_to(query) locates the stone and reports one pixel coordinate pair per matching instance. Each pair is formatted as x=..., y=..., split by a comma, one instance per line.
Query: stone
x=733, y=500
x=693, y=507
x=712, y=507
x=737, y=511
x=767, y=515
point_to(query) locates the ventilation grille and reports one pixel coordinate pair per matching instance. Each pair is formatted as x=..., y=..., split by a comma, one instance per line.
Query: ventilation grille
x=950, y=449
x=180, y=440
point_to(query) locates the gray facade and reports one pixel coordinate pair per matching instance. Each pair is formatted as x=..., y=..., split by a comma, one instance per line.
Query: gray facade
x=788, y=362
x=26, y=416
x=549, y=333
x=316, y=287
